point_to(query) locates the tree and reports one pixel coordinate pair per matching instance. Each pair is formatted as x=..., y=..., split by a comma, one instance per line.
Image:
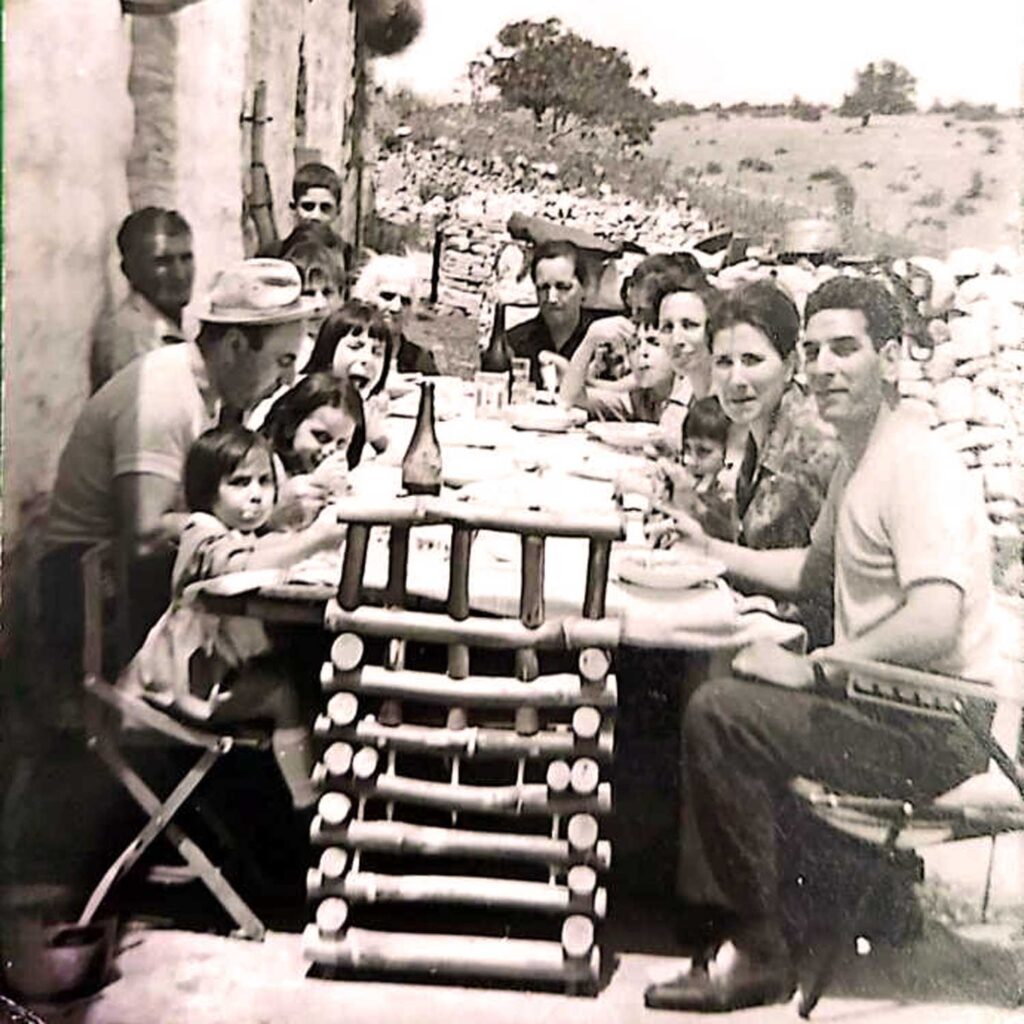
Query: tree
x=884, y=87
x=550, y=70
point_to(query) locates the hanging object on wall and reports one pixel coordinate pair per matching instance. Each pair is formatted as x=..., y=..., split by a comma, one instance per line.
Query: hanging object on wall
x=154, y=6
x=387, y=27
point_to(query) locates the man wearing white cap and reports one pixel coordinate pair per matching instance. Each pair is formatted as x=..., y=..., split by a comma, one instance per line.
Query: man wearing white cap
x=119, y=475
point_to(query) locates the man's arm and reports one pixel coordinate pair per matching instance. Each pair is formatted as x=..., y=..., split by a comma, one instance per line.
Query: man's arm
x=922, y=629
x=788, y=572
x=144, y=514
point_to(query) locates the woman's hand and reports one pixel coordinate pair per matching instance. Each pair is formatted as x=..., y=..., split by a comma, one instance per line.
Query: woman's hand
x=332, y=474
x=552, y=369
x=666, y=525
x=299, y=500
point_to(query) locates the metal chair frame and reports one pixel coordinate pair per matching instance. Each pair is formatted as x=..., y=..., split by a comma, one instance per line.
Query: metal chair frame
x=925, y=693
x=108, y=712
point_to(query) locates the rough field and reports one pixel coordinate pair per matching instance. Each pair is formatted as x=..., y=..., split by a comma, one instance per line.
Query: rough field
x=932, y=182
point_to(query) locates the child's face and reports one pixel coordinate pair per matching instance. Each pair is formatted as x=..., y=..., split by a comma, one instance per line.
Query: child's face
x=323, y=432
x=703, y=457
x=316, y=204
x=245, y=497
x=359, y=357
x=647, y=357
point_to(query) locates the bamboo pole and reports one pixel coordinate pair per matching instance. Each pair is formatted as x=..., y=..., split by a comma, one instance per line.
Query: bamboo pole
x=353, y=566
x=579, y=897
x=483, y=742
x=481, y=631
x=530, y=798
x=423, y=510
x=457, y=955
x=557, y=690
x=597, y=578
x=580, y=847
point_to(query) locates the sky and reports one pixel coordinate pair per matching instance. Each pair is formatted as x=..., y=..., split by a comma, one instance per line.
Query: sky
x=704, y=51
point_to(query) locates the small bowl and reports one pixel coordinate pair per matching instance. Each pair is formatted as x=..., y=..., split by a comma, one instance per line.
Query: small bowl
x=51, y=960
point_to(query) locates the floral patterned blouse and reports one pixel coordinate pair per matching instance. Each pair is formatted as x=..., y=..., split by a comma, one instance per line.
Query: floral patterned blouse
x=791, y=480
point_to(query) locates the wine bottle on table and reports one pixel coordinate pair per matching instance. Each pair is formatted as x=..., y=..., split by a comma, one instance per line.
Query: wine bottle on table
x=497, y=357
x=421, y=466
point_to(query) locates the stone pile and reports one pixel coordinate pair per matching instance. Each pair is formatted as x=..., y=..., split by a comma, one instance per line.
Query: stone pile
x=968, y=383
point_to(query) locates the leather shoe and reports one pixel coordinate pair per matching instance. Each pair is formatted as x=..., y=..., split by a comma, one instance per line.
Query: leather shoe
x=720, y=989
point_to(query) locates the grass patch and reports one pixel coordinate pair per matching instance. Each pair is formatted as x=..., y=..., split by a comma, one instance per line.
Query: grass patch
x=755, y=164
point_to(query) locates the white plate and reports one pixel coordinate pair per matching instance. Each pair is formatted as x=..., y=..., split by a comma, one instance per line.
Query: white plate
x=667, y=570
x=608, y=466
x=628, y=436
x=461, y=466
x=545, y=418
x=233, y=583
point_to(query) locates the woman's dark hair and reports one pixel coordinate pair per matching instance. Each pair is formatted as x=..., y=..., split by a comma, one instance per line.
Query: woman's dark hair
x=659, y=263
x=354, y=317
x=312, y=392
x=670, y=282
x=764, y=306
x=214, y=455
x=309, y=258
x=706, y=419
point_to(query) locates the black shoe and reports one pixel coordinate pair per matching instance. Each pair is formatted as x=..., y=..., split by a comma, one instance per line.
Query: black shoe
x=742, y=984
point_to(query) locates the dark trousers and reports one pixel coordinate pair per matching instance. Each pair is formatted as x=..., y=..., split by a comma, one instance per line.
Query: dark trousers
x=743, y=743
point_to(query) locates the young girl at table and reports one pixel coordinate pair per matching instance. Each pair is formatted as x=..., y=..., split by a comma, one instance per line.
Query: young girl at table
x=318, y=432
x=215, y=669
x=356, y=344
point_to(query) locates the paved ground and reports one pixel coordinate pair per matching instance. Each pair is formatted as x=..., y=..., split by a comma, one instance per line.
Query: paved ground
x=170, y=977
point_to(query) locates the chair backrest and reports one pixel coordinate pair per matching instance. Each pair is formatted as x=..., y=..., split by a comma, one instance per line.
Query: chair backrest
x=455, y=625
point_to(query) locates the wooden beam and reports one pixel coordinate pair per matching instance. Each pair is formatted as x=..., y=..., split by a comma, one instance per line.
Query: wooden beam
x=403, y=838
x=428, y=627
x=561, y=690
x=452, y=955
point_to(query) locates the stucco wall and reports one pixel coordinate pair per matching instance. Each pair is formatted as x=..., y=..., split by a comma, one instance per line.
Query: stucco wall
x=68, y=130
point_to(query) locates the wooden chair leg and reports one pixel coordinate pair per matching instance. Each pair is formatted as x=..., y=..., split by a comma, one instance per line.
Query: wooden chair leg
x=822, y=973
x=161, y=813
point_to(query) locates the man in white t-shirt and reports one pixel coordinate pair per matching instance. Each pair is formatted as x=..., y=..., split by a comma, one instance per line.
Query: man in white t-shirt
x=120, y=473
x=903, y=535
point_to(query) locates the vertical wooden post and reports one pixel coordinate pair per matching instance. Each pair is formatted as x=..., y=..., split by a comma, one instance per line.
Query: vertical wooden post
x=458, y=597
x=353, y=566
x=531, y=601
x=597, y=579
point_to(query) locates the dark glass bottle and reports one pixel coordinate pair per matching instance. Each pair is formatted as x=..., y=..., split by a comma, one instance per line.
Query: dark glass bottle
x=497, y=357
x=421, y=466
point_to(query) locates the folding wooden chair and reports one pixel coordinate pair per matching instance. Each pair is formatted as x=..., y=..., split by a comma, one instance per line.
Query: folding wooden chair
x=116, y=721
x=985, y=806
x=531, y=848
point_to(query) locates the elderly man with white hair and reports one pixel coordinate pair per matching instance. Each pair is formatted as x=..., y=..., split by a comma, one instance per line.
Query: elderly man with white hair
x=391, y=284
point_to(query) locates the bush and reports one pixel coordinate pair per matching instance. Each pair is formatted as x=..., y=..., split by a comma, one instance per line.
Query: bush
x=897, y=186
x=867, y=165
x=962, y=208
x=712, y=167
x=976, y=189
x=781, y=151
x=931, y=200
x=755, y=164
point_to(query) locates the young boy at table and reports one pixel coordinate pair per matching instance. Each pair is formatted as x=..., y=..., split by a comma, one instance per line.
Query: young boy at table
x=217, y=669
x=703, y=485
x=650, y=371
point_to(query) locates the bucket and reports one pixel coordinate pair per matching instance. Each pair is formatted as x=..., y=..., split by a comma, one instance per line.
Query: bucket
x=46, y=955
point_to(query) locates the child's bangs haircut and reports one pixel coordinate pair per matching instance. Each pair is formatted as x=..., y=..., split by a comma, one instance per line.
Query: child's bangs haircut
x=355, y=317
x=314, y=175
x=312, y=392
x=214, y=455
x=707, y=420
